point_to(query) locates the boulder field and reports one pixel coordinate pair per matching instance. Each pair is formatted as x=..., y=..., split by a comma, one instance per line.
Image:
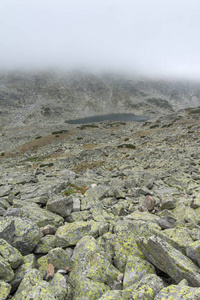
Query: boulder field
x=103, y=211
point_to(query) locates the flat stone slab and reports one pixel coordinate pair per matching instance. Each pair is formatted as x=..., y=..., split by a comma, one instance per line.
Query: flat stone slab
x=169, y=260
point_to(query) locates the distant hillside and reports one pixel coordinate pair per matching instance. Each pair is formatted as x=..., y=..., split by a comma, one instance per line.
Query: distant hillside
x=49, y=97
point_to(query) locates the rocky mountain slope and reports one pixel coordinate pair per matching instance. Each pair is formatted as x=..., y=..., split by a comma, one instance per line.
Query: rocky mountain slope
x=53, y=97
x=102, y=211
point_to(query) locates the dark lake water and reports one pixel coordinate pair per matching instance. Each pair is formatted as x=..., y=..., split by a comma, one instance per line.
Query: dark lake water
x=109, y=117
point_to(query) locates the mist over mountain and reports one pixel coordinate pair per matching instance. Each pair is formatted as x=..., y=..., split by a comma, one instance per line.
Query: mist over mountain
x=50, y=97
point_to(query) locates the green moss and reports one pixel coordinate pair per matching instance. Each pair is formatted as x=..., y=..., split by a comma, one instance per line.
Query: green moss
x=59, y=132
x=38, y=137
x=154, y=126
x=88, y=126
x=72, y=188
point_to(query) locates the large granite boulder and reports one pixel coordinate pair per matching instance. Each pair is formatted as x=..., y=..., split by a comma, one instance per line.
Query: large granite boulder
x=21, y=233
x=71, y=233
x=169, y=260
x=4, y=290
x=10, y=254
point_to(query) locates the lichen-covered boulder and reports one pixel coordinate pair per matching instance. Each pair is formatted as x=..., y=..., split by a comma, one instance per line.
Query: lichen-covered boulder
x=114, y=295
x=89, y=290
x=6, y=272
x=70, y=234
x=34, y=287
x=29, y=262
x=146, y=289
x=91, y=270
x=16, y=212
x=193, y=252
x=136, y=268
x=46, y=244
x=22, y=234
x=60, y=205
x=85, y=248
x=185, y=214
x=101, y=270
x=178, y=292
x=4, y=290
x=59, y=287
x=10, y=254
x=91, y=198
x=58, y=257
x=171, y=261
x=42, y=217
x=181, y=236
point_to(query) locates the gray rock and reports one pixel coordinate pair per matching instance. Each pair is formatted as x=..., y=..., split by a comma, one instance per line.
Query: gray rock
x=59, y=287
x=178, y=292
x=195, y=203
x=41, y=217
x=70, y=234
x=76, y=204
x=91, y=197
x=58, y=257
x=2, y=211
x=48, y=229
x=22, y=234
x=167, y=222
x=135, y=269
x=147, y=288
x=6, y=272
x=46, y=244
x=4, y=204
x=60, y=205
x=5, y=190
x=17, y=212
x=29, y=262
x=114, y=295
x=4, y=290
x=193, y=252
x=10, y=254
x=175, y=264
x=33, y=287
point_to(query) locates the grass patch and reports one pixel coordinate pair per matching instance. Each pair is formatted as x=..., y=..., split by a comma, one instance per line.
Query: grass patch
x=167, y=125
x=154, y=126
x=60, y=132
x=2, y=154
x=38, y=137
x=85, y=165
x=46, y=165
x=194, y=111
x=88, y=126
x=129, y=146
x=72, y=188
x=115, y=124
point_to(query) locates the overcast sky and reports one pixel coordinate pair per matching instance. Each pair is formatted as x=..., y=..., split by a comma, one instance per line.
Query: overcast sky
x=148, y=36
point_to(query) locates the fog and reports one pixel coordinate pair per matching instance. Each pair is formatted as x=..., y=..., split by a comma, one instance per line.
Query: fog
x=148, y=37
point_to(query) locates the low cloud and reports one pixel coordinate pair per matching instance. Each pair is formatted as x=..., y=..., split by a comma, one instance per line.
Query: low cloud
x=154, y=38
